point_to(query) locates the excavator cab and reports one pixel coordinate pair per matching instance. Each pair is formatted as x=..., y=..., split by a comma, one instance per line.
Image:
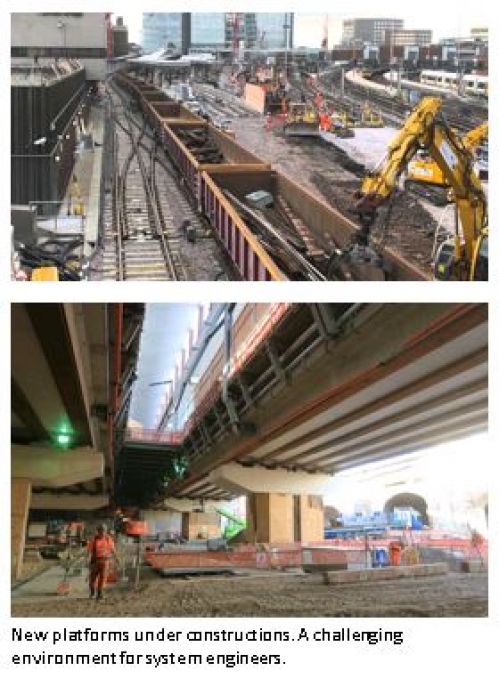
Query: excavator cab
x=445, y=260
x=446, y=267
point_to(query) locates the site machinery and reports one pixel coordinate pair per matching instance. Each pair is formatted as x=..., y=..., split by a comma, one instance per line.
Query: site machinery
x=235, y=524
x=424, y=170
x=302, y=119
x=465, y=255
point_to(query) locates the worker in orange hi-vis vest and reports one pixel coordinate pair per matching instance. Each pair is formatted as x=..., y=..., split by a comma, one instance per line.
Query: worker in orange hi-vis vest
x=101, y=550
x=395, y=552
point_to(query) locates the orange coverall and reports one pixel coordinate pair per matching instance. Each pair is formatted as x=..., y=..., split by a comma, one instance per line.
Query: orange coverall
x=395, y=550
x=101, y=550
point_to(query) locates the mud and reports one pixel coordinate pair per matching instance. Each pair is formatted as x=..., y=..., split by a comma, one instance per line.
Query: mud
x=404, y=225
x=274, y=595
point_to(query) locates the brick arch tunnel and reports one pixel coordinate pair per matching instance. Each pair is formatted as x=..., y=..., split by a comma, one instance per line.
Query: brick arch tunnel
x=408, y=500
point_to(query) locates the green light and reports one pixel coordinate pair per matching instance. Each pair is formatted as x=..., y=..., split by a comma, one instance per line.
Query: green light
x=63, y=439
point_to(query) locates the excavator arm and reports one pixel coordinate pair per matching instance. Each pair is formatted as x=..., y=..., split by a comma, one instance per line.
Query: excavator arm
x=456, y=161
x=426, y=171
x=379, y=184
x=476, y=136
x=236, y=524
x=426, y=128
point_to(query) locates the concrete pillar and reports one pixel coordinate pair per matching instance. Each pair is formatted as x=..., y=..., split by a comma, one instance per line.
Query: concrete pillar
x=284, y=518
x=310, y=518
x=20, y=500
x=283, y=506
x=270, y=518
x=201, y=525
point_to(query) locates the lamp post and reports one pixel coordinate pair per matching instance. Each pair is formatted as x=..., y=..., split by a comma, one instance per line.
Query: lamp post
x=286, y=27
x=62, y=26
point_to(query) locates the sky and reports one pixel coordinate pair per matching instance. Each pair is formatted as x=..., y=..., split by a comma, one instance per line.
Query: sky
x=309, y=28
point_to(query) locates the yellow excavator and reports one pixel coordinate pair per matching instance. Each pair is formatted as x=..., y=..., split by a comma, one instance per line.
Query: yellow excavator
x=302, y=119
x=465, y=256
x=424, y=170
x=369, y=118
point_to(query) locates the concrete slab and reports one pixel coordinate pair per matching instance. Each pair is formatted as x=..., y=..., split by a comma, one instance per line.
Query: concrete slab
x=369, y=146
x=474, y=566
x=355, y=76
x=391, y=573
x=88, y=171
x=44, y=585
x=64, y=225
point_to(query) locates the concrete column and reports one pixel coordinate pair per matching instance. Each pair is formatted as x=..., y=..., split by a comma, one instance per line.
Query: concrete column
x=283, y=506
x=270, y=518
x=310, y=518
x=201, y=525
x=284, y=518
x=20, y=500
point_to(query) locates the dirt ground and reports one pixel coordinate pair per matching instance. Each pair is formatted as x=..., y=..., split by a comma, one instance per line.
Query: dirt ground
x=275, y=595
x=330, y=173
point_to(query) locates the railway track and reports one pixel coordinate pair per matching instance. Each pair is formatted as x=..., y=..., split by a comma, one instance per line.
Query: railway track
x=219, y=104
x=140, y=242
x=459, y=115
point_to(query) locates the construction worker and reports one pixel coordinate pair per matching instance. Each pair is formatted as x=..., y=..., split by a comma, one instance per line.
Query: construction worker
x=101, y=550
x=395, y=553
x=74, y=197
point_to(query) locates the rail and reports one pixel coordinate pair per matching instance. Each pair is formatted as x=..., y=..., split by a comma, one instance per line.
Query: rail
x=126, y=225
x=250, y=256
x=117, y=214
x=158, y=214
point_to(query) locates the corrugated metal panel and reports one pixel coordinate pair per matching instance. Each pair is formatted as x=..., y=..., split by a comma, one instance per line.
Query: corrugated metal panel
x=35, y=173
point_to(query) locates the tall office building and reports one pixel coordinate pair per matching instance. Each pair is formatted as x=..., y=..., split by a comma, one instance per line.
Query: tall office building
x=209, y=31
x=371, y=31
x=407, y=37
x=167, y=30
x=275, y=29
x=213, y=31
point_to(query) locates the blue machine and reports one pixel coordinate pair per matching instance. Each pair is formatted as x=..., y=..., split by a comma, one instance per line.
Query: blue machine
x=360, y=524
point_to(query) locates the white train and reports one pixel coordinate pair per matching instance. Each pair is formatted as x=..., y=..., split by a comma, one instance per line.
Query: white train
x=473, y=84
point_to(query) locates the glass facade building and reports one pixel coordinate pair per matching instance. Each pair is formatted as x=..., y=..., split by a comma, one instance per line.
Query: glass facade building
x=161, y=30
x=208, y=30
x=272, y=28
x=215, y=30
